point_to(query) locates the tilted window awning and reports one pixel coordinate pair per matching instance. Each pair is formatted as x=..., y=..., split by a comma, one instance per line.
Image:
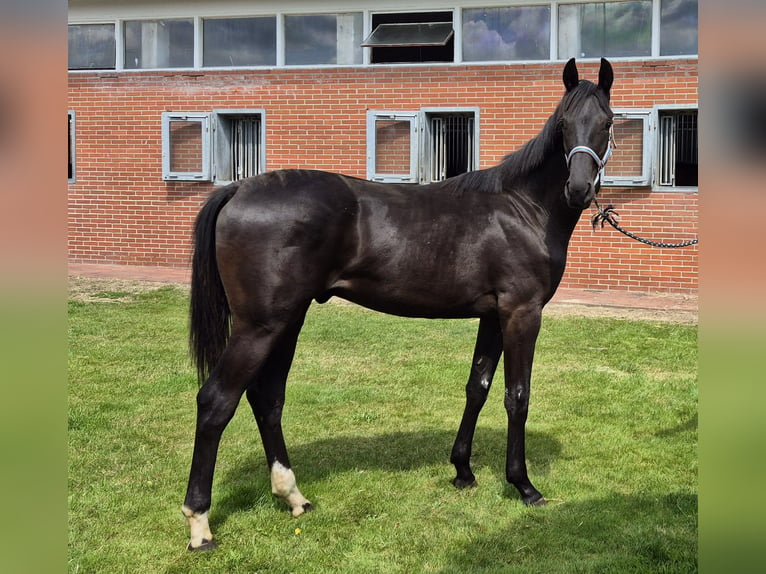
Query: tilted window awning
x=418, y=34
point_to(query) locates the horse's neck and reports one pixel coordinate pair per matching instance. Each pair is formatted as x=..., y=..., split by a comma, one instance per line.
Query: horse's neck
x=545, y=189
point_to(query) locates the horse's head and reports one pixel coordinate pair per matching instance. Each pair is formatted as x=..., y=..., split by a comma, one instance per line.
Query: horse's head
x=586, y=122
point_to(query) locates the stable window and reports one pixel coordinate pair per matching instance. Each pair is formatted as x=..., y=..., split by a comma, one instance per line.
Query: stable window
x=185, y=147
x=239, y=41
x=450, y=145
x=678, y=27
x=426, y=146
x=71, y=148
x=91, y=46
x=238, y=143
x=630, y=162
x=411, y=37
x=392, y=144
x=508, y=33
x=323, y=39
x=611, y=29
x=159, y=44
x=677, y=160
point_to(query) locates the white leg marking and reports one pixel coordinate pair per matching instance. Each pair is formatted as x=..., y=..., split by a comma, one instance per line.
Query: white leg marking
x=199, y=527
x=283, y=485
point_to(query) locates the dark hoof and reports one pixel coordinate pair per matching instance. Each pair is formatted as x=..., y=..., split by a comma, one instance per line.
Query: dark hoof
x=537, y=500
x=206, y=546
x=461, y=484
x=308, y=507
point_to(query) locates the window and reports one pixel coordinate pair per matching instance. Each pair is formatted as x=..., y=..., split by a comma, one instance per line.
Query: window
x=630, y=163
x=657, y=148
x=185, y=147
x=429, y=37
x=239, y=149
x=678, y=27
x=223, y=146
x=449, y=144
x=611, y=29
x=71, y=148
x=240, y=42
x=91, y=46
x=159, y=44
x=512, y=33
x=533, y=30
x=677, y=149
x=323, y=39
x=430, y=145
x=392, y=146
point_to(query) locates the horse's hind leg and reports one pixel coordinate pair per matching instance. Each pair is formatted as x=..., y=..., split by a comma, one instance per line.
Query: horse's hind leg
x=217, y=401
x=489, y=346
x=266, y=396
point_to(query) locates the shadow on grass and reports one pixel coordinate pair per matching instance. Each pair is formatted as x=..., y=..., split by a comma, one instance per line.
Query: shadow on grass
x=619, y=533
x=395, y=452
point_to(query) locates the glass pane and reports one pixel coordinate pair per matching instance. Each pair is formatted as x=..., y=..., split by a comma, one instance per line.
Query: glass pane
x=678, y=27
x=392, y=147
x=410, y=34
x=91, y=46
x=627, y=158
x=507, y=33
x=611, y=29
x=159, y=44
x=323, y=39
x=185, y=146
x=240, y=42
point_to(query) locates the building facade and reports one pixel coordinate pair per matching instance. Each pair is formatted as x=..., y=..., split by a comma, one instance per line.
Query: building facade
x=168, y=100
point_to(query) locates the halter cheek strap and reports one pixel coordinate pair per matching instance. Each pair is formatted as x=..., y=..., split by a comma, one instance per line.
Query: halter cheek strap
x=600, y=162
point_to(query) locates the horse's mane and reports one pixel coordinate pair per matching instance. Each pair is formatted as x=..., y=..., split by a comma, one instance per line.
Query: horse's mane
x=532, y=154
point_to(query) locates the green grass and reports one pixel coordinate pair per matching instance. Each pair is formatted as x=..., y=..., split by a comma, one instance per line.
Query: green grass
x=372, y=409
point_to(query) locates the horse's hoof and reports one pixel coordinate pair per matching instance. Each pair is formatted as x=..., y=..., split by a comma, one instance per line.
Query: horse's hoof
x=460, y=484
x=537, y=500
x=206, y=546
x=298, y=510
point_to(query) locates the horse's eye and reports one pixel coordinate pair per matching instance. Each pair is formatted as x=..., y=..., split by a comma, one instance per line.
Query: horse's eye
x=609, y=123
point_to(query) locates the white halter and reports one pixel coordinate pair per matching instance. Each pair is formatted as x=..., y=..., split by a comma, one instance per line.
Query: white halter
x=600, y=162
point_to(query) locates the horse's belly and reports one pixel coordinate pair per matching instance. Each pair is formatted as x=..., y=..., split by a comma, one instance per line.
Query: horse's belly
x=415, y=299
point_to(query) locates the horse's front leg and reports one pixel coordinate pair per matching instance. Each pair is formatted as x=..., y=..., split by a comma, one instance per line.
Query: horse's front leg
x=489, y=346
x=520, y=330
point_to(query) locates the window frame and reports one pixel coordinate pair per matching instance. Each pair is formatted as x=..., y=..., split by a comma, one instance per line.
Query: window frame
x=409, y=116
x=420, y=140
x=116, y=40
x=426, y=137
x=645, y=115
x=204, y=173
x=656, y=111
x=220, y=146
x=122, y=43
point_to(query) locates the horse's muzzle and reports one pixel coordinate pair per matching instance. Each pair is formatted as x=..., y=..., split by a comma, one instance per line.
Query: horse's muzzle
x=579, y=196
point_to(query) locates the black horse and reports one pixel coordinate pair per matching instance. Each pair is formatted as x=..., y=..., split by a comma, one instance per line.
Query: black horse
x=490, y=244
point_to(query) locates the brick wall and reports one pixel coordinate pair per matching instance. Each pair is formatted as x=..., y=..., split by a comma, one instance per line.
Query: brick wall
x=121, y=211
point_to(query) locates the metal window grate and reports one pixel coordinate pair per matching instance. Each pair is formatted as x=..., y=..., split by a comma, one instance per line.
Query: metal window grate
x=678, y=149
x=245, y=147
x=667, y=151
x=452, y=146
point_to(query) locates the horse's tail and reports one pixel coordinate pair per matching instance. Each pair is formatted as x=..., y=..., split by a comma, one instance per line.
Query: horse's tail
x=209, y=309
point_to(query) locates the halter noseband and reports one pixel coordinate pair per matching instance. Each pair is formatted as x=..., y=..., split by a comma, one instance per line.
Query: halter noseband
x=600, y=162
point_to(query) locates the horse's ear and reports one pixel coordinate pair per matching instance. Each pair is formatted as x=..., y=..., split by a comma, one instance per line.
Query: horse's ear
x=571, y=75
x=605, y=76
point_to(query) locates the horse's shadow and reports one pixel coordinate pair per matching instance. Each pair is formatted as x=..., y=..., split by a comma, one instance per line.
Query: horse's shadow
x=403, y=451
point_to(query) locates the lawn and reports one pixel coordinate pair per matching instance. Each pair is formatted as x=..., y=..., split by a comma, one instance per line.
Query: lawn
x=373, y=405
